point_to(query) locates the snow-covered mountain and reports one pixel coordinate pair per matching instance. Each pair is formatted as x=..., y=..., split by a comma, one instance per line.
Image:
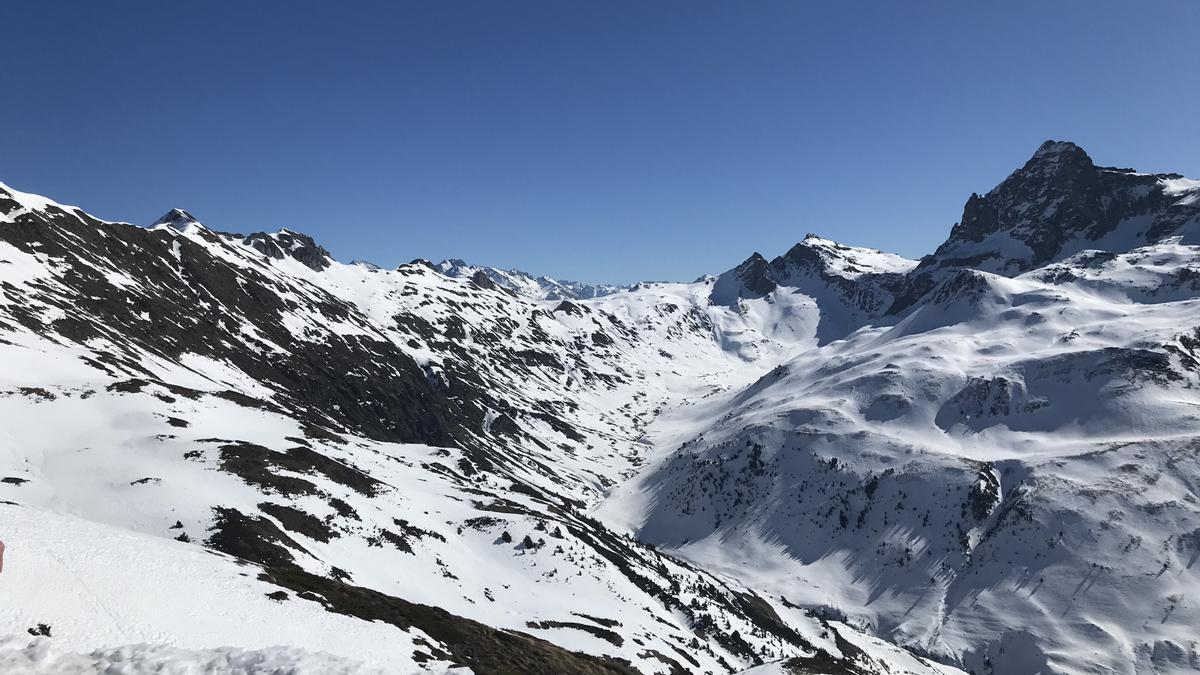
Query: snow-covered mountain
x=374, y=443
x=995, y=470
x=836, y=460
x=523, y=283
x=851, y=286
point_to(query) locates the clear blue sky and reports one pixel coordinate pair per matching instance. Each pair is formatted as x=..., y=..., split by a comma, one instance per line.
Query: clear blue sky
x=603, y=141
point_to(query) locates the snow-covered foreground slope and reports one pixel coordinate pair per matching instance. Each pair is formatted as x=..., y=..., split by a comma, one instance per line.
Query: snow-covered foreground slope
x=802, y=462
x=104, y=589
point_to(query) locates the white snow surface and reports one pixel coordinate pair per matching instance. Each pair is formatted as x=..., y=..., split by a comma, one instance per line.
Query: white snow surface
x=852, y=262
x=118, y=601
x=29, y=203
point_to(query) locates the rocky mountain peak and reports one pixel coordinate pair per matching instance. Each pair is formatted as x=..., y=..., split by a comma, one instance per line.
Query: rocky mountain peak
x=1059, y=174
x=176, y=219
x=1058, y=203
x=1052, y=151
x=1056, y=167
x=286, y=243
x=483, y=281
x=852, y=282
x=751, y=279
x=451, y=263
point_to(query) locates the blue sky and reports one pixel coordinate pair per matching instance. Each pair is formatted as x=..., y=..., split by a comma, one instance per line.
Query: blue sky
x=602, y=141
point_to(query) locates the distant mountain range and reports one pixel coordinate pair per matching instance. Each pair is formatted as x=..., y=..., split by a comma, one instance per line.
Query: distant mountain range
x=523, y=283
x=227, y=448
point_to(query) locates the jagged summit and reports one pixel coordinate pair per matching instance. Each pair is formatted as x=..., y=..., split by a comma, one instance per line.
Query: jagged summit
x=850, y=284
x=291, y=244
x=827, y=256
x=173, y=215
x=751, y=279
x=1058, y=204
x=1059, y=163
x=1052, y=150
x=177, y=219
x=284, y=243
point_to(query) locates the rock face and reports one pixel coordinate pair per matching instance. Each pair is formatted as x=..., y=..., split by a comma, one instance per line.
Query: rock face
x=176, y=218
x=1060, y=203
x=751, y=279
x=834, y=459
x=286, y=243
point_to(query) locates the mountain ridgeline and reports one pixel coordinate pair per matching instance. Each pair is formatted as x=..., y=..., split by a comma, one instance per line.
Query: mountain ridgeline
x=834, y=460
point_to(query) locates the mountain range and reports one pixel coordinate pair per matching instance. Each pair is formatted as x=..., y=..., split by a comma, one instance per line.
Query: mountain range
x=234, y=451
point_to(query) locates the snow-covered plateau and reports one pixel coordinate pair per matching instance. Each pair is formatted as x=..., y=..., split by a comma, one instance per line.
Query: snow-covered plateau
x=234, y=453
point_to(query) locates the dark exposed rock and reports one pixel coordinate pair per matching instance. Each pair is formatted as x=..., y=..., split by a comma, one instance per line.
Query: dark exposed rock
x=251, y=538
x=260, y=466
x=176, y=218
x=483, y=281
x=286, y=243
x=483, y=649
x=751, y=279
x=300, y=522
x=394, y=402
x=605, y=634
x=1057, y=197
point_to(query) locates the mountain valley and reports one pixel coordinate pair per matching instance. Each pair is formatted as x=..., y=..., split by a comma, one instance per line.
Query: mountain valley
x=220, y=446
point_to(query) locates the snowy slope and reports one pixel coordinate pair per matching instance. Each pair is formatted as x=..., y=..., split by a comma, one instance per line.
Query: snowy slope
x=336, y=424
x=1019, y=462
x=1002, y=474
x=98, y=587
